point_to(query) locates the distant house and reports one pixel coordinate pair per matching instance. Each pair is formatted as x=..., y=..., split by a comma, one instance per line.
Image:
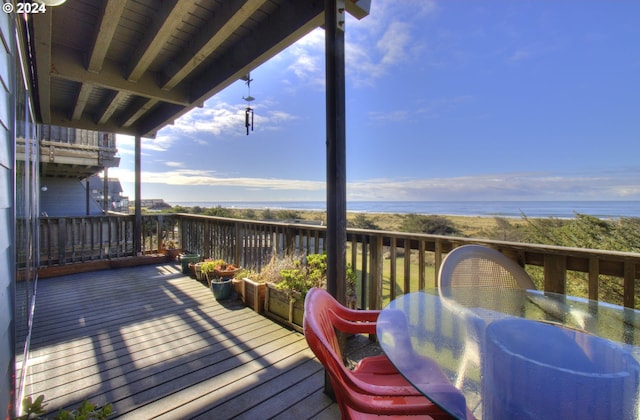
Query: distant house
x=154, y=204
x=68, y=158
x=115, y=200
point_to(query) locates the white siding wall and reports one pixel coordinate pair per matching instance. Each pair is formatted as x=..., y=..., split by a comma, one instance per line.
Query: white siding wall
x=7, y=218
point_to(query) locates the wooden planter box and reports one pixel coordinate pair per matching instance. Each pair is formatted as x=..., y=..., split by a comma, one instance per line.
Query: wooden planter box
x=279, y=306
x=238, y=288
x=171, y=254
x=253, y=294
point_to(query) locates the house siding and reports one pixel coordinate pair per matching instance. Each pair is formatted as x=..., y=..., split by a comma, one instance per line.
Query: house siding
x=7, y=214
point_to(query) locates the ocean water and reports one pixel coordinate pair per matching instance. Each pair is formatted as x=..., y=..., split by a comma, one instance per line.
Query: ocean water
x=558, y=209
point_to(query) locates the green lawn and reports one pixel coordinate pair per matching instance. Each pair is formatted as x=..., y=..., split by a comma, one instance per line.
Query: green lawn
x=399, y=277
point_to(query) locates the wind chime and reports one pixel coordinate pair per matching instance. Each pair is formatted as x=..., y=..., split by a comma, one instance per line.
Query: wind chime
x=248, y=112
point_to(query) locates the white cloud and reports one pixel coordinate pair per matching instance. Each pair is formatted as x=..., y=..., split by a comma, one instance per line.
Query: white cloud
x=393, y=44
x=160, y=144
x=192, y=177
x=373, y=46
x=220, y=119
x=398, y=115
x=307, y=55
x=510, y=186
x=520, y=55
x=126, y=144
x=215, y=118
x=487, y=187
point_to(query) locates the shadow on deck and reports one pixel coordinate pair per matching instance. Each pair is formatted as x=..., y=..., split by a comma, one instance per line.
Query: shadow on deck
x=155, y=343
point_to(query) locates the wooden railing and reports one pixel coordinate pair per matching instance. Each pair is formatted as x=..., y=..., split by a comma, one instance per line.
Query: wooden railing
x=79, y=137
x=388, y=263
x=380, y=257
x=67, y=240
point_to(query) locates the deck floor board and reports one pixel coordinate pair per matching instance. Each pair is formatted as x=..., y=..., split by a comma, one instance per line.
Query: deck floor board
x=156, y=344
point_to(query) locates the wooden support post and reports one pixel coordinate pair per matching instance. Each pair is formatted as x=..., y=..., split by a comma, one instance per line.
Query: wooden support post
x=336, y=149
x=105, y=191
x=336, y=155
x=87, y=198
x=137, y=225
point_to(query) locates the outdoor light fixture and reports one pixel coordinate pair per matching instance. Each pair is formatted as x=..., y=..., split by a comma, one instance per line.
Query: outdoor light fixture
x=52, y=3
x=44, y=188
x=248, y=112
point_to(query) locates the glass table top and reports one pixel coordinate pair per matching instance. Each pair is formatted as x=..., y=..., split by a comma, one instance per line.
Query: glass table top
x=517, y=353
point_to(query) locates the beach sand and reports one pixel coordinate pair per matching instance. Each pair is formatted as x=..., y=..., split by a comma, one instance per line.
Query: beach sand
x=470, y=226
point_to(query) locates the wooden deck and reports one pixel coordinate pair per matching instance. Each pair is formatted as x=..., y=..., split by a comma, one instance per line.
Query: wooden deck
x=155, y=343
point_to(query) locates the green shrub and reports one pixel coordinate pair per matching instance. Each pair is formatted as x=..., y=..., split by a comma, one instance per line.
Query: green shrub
x=433, y=225
x=35, y=409
x=312, y=272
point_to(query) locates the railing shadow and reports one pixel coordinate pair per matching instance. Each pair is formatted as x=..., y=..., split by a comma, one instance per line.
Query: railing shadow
x=138, y=336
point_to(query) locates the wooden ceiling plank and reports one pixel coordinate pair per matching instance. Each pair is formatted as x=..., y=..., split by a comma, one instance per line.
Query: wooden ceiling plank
x=225, y=22
x=137, y=111
x=67, y=64
x=62, y=119
x=81, y=101
x=270, y=37
x=112, y=106
x=104, y=33
x=358, y=8
x=42, y=41
x=266, y=27
x=169, y=17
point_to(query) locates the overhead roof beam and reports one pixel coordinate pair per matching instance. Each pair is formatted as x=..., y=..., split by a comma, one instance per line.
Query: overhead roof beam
x=266, y=40
x=67, y=64
x=137, y=110
x=223, y=24
x=169, y=17
x=111, y=14
x=271, y=36
x=111, y=107
x=62, y=119
x=42, y=42
x=81, y=101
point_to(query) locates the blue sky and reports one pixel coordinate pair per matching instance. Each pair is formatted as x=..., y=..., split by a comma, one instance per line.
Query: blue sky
x=446, y=100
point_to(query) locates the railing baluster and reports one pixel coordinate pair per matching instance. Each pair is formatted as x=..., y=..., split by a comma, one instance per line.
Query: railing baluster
x=594, y=278
x=374, y=284
x=392, y=271
x=555, y=273
x=364, y=246
x=62, y=241
x=407, y=266
x=629, y=284
x=421, y=265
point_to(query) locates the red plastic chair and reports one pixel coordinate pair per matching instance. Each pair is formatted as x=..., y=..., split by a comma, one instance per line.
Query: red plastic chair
x=374, y=387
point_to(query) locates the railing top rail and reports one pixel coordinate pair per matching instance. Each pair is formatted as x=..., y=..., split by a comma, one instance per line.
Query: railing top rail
x=516, y=246
x=249, y=221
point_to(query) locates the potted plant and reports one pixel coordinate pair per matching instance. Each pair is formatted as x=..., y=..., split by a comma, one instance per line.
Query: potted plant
x=170, y=249
x=251, y=289
x=186, y=259
x=200, y=276
x=289, y=279
x=219, y=275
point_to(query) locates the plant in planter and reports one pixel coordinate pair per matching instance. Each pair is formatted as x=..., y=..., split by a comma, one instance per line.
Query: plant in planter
x=186, y=259
x=305, y=275
x=286, y=291
x=170, y=248
x=251, y=289
x=219, y=275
